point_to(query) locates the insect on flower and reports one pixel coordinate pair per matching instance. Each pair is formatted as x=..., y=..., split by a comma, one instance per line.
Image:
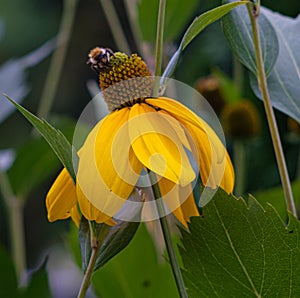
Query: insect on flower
x=99, y=58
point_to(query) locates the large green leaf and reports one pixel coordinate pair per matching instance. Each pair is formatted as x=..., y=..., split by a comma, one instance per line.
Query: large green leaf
x=241, y=250
x=200, y=23
x=57, y=141
x=284, y=80
x=237, y=30
x=136, y=272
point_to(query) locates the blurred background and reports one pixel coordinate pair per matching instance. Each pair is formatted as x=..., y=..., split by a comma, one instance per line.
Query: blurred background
x=29, y=35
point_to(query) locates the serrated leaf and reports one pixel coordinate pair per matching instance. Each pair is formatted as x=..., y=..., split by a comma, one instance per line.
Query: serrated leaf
x=115, y=239
x=238, y=32
x=284, y=80
x=199, y=23
x=241, y=250
x=57, y=141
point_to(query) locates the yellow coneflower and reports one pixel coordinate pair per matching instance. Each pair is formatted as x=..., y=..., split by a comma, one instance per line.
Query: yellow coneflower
x=141, y=133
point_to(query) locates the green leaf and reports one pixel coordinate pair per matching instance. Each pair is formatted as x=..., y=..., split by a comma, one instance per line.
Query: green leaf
x=38, y=285
x=241, y=250
x=284, y=80
x=238, y=32
x=178, y=13
x=8, y=284
x=206, y=19
x=112, y=240
x=57, y=141
x=136, y=272
x=199, y=23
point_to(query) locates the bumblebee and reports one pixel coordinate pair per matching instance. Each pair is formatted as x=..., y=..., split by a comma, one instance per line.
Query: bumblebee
x=99, y=58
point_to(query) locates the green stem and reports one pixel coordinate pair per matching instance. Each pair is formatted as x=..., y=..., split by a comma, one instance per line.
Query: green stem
x=58, y=58
x=16, y=227
x=115, y=26
x=90, y=268
x=239, y=163
x=253, y=12
x=159, y=45
x=167, y=237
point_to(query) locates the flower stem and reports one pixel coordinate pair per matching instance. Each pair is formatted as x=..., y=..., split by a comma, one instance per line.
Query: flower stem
x=167, y=237
x=253, y=11
x=115, y=26
x=58, y=58
x=16, y=227
x=159, y=44
x=90, y=268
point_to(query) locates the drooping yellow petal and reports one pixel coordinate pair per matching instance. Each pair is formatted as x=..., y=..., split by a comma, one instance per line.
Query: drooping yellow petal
x=157, y=145
x=75, y=215
x=214, y=162
x=108, y=170
x=61, y=197
x=180, y=200
x=227, y=182
x=89, y=211
x=186, y=210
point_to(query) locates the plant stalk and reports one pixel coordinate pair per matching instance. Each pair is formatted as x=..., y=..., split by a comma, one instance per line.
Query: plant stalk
x=90, y=268
x=16, y=227
x=58, y=58
x=253, y=11
x=159, y=45
x=167, y=237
